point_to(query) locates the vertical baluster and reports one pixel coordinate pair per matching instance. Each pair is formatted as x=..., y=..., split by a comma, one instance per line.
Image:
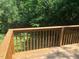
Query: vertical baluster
x=53, y=40
x=64, y=40
x=69, y=37
x=43, y=39
x=51, y=37
x=37, y=41
x=40, y=38
x=77, y=34
x=66, y=37
x=16, y=44
x=24, y=41
x=30, y=40
x=27, y=44
x=61, y=36
x=28, y=36
x=46, y=38
x=73, y=36
x=57, y=38
x=33, y=40
x=70, y=40
x=20, y=46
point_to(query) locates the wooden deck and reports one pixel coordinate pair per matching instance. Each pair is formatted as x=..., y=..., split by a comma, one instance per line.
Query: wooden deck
x=28, y=39
x=64, y=52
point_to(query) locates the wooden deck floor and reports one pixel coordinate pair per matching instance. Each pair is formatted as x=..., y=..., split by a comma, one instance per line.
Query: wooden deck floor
x=64, y=52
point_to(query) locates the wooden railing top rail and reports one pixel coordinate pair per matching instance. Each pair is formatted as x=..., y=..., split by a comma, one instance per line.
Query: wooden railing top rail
x=5, y=48
x=42, y=28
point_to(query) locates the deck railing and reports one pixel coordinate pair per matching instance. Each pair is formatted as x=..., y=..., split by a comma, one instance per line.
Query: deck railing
x=24, y=39
x=7, y=47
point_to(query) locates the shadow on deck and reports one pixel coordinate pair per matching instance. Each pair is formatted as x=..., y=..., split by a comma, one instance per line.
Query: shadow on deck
x=64, y=52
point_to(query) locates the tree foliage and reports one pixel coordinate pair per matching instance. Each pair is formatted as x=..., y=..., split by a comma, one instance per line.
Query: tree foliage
x=28, y=13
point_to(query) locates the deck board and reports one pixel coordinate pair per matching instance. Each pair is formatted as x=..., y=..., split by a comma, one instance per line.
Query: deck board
x=64, y=52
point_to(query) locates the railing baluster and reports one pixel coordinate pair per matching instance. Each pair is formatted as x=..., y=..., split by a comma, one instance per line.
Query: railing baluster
x=30, y=41
x=40, y=38
x=54, y=38
x=61, y=37
x=24, y=41
x=72, y=36
x=51, y=37
x=34, y=40
x=37, y=40
x=77, y=35
x=70, y=40
x=43, y=39
x=16, y=44
x=19, y=41
x=46, y=38
x=27, y=42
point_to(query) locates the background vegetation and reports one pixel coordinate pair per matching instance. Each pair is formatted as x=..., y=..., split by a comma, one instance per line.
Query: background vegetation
x=36, y=13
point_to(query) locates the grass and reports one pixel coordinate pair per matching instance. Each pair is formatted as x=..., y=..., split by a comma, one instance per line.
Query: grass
x=1, y=38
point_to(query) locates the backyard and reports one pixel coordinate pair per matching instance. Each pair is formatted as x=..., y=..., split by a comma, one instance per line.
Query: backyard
x=33, y=25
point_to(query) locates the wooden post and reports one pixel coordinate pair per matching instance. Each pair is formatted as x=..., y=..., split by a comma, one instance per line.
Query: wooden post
x=61, y=36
